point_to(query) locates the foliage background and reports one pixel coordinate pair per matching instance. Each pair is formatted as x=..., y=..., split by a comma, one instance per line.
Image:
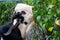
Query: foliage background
x=45, y=12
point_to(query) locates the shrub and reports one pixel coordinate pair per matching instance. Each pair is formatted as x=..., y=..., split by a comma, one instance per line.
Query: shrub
x=6, y=9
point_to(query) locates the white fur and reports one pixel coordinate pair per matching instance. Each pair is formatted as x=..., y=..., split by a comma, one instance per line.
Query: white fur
x=15, y=21
x=1, y=38
x=28, y=18
x=23, y=7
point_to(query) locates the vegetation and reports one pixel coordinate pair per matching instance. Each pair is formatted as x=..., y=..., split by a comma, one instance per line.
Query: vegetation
x=6, y=9
x=46, y=14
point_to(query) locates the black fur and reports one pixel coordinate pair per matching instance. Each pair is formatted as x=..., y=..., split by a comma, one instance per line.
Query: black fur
x=15, y=34
x=18, y=15
x=22, y=12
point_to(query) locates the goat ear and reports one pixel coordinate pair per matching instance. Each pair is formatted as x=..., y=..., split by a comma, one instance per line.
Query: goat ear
x=32, y=7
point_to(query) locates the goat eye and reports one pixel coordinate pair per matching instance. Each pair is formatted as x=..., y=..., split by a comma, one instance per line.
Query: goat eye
x=18, y=12
x=22, y=12
x=25, y=23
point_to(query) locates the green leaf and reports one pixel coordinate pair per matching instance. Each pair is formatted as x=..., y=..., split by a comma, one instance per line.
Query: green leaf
x=38, y=18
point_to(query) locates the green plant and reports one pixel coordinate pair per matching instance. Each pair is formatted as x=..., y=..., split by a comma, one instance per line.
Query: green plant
x=6, y=9
x=45, y=13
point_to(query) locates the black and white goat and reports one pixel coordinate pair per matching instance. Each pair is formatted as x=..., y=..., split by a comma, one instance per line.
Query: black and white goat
x=22, y=21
